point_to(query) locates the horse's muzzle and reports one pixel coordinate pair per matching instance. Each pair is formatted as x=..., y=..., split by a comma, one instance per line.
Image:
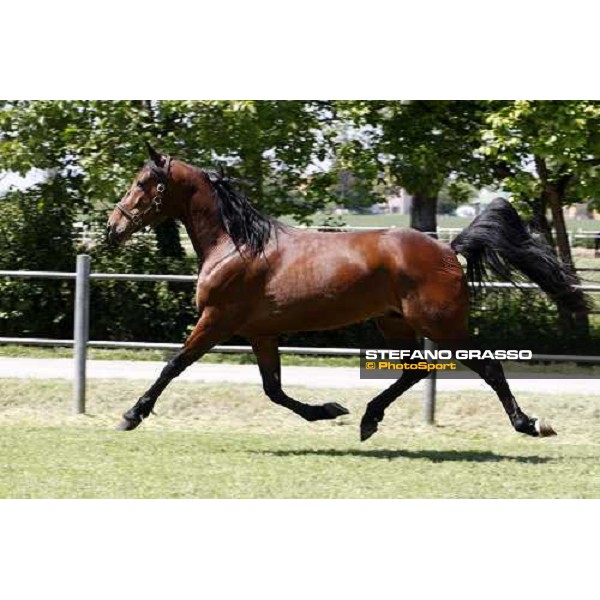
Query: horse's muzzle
x=113, y=237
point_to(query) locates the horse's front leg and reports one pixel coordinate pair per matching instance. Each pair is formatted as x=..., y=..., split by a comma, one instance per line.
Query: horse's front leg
x=267, y=354
x=208, y=331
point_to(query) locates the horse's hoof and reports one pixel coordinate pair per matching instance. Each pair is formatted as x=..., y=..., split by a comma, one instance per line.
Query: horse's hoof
x=543, y=429
x=333, y=409
x=368, y=426
x=127, y=424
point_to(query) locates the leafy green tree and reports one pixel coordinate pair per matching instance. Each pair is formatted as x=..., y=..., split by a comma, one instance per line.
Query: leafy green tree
x=96, y=144
x=547, y=154
x=273, y=147
x=417, y=145
x=36, y=233
x=453, y=193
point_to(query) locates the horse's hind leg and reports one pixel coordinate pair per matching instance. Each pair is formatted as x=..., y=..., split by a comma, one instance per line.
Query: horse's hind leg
x=440, y=312
x=492, y=373
x=452, y=333
x=398, y=332
x=267, y=354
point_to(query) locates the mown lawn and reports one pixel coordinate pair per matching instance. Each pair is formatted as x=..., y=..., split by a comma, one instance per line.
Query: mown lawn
x=18, y=350
x=230, y=442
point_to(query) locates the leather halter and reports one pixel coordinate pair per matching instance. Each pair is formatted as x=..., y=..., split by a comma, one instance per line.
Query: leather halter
x=137, y=217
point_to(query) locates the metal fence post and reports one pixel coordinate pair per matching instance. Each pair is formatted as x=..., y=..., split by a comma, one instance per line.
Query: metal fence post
x=430, y=387
x=81, y=330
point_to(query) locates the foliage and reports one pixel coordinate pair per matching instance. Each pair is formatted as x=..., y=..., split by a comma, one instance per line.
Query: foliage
x=564, y=134
x=417, y=144
x=352, y=192
x=453, y=193
x=270, y=144
x=498, y=321
x=547, y=153
x=33, y=307
x=273, y=147
x=294, y=157
x=144, y=311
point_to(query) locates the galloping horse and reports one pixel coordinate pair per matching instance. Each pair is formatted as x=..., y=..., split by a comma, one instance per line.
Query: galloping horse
x=259, y=278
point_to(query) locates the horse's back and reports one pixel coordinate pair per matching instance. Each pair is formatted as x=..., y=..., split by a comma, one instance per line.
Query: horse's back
x=320, y=280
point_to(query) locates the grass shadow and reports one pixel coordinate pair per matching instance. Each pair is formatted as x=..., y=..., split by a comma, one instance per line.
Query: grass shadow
x=436, y=456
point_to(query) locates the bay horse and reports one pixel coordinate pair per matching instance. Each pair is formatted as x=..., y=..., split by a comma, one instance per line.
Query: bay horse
x=259, y=278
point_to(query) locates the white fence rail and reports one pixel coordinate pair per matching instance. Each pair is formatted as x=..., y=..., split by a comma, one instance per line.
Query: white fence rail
x=81, y=342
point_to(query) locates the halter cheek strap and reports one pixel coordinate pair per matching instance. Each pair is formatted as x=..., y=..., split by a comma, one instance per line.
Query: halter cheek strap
x=155, y=205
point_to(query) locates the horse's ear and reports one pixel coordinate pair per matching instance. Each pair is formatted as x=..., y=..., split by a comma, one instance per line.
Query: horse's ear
x=155, y=156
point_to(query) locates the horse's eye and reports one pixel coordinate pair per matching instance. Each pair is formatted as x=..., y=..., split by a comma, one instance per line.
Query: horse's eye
x=140, y=185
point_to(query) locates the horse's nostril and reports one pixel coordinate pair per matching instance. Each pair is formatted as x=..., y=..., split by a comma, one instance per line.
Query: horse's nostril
x=110, y=235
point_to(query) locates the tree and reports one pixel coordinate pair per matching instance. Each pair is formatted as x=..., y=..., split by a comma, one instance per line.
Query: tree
x=418, y=144
x=272, y=146
x=547, y=154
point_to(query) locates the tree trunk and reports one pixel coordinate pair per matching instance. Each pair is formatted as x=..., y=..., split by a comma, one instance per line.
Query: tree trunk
x=555, y=194
x=423, y=213
x=540, y=221
x=580, y=320
x=558, y=220
x=167, y=239
x=253, y=165
x=253, y=176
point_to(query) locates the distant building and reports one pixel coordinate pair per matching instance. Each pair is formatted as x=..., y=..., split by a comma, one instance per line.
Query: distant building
x=580, y=211
x=399, y=202
x=466, y=210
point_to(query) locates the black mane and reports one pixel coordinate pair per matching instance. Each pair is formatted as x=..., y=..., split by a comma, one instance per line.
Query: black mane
x=246, y=227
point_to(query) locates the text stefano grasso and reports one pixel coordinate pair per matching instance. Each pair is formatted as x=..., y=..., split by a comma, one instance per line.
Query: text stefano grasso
x=438, y=354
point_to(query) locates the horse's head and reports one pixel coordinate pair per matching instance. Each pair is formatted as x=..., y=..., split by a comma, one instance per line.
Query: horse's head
x=142, y=205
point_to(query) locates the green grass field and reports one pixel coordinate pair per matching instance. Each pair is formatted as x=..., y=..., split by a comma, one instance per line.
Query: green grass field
x=17, y=350
x=231, y=442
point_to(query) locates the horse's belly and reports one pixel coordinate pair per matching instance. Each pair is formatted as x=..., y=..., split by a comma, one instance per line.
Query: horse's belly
x=317, y=312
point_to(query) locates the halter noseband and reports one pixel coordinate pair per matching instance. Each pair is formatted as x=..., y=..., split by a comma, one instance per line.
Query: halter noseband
x=155, y=205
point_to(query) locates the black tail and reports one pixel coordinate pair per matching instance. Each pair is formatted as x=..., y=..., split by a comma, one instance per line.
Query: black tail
x=498, y=239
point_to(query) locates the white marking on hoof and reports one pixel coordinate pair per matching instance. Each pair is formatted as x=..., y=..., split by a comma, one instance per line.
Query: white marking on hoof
x=543, y=429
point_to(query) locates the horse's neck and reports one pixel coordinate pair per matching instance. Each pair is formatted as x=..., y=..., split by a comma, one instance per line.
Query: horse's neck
x=203, y=226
